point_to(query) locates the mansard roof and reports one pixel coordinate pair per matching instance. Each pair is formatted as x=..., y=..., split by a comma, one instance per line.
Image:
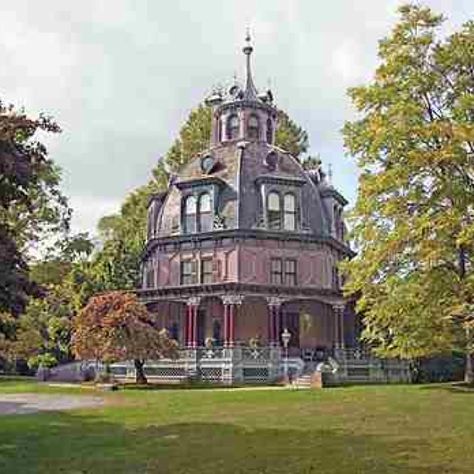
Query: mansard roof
x=240, y=168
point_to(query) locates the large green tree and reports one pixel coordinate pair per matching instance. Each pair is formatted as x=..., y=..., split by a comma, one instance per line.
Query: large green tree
x=413, y=219
x=116, y=265
x=41, y=335
x=32, y=207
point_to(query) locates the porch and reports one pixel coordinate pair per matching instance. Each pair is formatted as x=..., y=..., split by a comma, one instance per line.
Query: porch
x=264, y=365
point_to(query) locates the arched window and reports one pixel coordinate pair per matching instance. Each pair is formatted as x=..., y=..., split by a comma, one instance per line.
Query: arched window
x=274, y=210
x=253, y=128
x=205, y=214
x=269, y=131
x=289, y=212
x=233, y=127
x=190, y=215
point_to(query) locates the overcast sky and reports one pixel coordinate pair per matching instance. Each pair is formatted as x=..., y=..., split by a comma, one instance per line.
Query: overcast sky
x=120, y=76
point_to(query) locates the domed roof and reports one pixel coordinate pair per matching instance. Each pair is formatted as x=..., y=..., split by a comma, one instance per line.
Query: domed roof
x=238, y=173
x=245, y=182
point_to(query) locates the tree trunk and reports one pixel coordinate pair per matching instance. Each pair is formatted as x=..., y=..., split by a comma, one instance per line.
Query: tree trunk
x=140, y=377
x=468, y=372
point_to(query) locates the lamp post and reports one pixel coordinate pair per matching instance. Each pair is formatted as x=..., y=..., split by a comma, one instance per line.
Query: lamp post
x=285, y=337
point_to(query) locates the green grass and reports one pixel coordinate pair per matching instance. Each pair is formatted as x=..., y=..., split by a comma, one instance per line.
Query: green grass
x=374, y=429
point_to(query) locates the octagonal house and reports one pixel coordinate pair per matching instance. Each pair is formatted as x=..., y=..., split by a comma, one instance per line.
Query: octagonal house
x=243, y=245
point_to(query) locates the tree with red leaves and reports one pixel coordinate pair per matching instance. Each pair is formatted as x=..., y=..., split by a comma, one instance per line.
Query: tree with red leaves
x=115, y=326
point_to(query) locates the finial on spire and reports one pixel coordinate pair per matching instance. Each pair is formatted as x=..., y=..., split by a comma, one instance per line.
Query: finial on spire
x=330, y=173
x=248, y=46
x=250, y=89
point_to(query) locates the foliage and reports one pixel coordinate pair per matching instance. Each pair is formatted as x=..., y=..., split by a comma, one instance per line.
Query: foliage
x=31, y=205
x=114, y=326
x=42, y=333
x=290, y=137
x=413, y=220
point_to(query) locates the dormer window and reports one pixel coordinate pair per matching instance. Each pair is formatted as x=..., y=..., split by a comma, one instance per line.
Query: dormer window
x=233, y=127
x=190, y=209
x=198, y=215
x=205, y=213
x=282, y=209
x=274, y=210
x=253, y=128
x=289, y=212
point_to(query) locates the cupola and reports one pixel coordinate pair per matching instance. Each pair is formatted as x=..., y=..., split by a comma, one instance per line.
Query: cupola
x=242, y=113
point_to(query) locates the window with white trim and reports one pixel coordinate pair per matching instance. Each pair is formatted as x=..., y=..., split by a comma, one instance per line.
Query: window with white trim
x=205, y=213
x=189, y=272
x=289, y=212
x=274, y=210
x=190, y=210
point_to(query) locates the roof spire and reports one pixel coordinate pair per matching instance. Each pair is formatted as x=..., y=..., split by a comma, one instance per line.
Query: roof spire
x=250, y=89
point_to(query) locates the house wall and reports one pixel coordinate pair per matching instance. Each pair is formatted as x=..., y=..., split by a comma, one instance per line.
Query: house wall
x=168, y=266
x=315, y=264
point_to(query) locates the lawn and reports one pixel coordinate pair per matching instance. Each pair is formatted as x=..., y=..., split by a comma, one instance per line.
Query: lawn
x=374, y=429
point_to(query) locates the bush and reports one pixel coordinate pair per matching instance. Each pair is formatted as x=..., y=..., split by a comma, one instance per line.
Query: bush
x=443, y=368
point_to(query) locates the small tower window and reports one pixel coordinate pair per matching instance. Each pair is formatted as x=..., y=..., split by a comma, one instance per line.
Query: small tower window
x=289, y=212
x=190, y=215
x=274, y=210
x=269, y=131
x=253, y=128
x=205, y=214
x=233, y=127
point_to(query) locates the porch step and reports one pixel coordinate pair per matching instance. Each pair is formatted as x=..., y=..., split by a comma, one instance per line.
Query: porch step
x=303, y=381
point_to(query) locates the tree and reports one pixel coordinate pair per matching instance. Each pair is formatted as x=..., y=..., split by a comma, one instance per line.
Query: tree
x=290, y=136
x=41, y=335
x=31, y=205
x=114, y=327
x=413, y=219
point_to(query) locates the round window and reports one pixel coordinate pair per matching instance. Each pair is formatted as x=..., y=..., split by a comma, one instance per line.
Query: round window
x=207, y=163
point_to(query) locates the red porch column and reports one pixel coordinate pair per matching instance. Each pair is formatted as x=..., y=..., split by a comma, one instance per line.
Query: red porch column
x=230, y=302
x=191, y=321
x=274, y=310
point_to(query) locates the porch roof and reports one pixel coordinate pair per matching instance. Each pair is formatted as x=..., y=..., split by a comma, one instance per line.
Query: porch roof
x=287, y=293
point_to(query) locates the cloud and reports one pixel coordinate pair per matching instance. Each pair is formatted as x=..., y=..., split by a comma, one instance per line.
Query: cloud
x=120, y=77
x=89, y=209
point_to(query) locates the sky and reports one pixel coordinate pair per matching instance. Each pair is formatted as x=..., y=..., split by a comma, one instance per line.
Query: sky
x=121, y=76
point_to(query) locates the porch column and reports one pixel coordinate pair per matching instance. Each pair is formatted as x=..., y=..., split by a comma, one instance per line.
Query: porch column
x=230, y=302
x=338, y=310
x=191, y=321
x=274, y=329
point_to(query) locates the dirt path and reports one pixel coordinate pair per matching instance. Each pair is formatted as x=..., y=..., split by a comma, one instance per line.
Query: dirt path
x=24, y=403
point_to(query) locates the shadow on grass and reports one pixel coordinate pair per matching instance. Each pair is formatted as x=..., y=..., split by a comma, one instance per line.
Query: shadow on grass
x=187, y=386
x=453, y=387
x=72, y=443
